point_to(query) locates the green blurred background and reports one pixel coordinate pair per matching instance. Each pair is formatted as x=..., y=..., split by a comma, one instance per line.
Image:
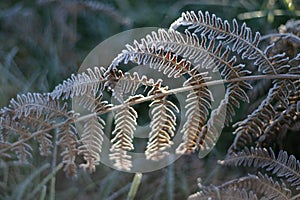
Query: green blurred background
x=42, y=42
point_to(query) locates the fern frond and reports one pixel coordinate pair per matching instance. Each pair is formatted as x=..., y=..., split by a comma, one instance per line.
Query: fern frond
x=282, y=166
x=125, y=125
x=198, y=106
x=279, y=126
x=264, y=117
x=45, y=139
x=30, y=104
x=89, y=82
x=23, y=150
x=67, y=139
x=163, y=125
x=91, y=142
x=159, y=59
x=230, y=193
x=261, y=185
x=242, y=40
x=31, y=113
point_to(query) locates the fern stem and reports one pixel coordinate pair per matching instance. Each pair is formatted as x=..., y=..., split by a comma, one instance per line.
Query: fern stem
x=188, y=88
x=135, y=185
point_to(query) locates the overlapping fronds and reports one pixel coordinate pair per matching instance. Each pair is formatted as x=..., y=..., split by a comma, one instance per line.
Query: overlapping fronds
x=282, y=166
x=276, y=112
x=208, y=54
x=239, y=36
x=215, y=194
x=260, y=186
x=31, y=116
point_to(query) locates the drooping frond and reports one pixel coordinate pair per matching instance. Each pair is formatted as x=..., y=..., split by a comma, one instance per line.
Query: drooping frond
x=282, y=166
x=242, y=40
x=125, y=125
x=91, y=142
x=261, y=185
x=163, y=125
x=273, y=111
x=89, y=82
x=67, y=139
x=230, y=193
x=198, y=106
x=30, y=116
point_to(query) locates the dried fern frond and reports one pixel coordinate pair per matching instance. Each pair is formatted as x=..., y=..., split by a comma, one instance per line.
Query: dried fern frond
x=243, y=43
x=230, y=193
x=91, y=142
x=67, y=139
x=159, y=59
x=272, y=112
x=282, y=166
x=125, y=125
x=89, y=82
x=261, y=185
x=31, y=116
x=163, y=125
x=198, y=106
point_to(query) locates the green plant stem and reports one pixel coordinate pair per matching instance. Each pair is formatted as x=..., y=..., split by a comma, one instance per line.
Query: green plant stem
x=44, y=181
x=134, y=186
x=151, y=97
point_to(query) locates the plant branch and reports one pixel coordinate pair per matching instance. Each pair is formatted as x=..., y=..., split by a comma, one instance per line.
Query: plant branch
x=159, y=95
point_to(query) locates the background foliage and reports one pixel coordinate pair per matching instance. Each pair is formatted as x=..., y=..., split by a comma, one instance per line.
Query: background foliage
x=44, y=41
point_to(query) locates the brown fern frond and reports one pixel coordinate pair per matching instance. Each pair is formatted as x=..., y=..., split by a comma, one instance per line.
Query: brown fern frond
x=67, y=139
x=163, y=125
x=89, y=82
x=91, y=142
x=261, y=185
x=241, y=40
x=23, y=150
x=159, y=59
x=216, y=194
x=269, y=114
x=282, y=166
x=198, y=106
x=279, y=126
x=29, y=104
x=31, y=113
x=125, y=125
